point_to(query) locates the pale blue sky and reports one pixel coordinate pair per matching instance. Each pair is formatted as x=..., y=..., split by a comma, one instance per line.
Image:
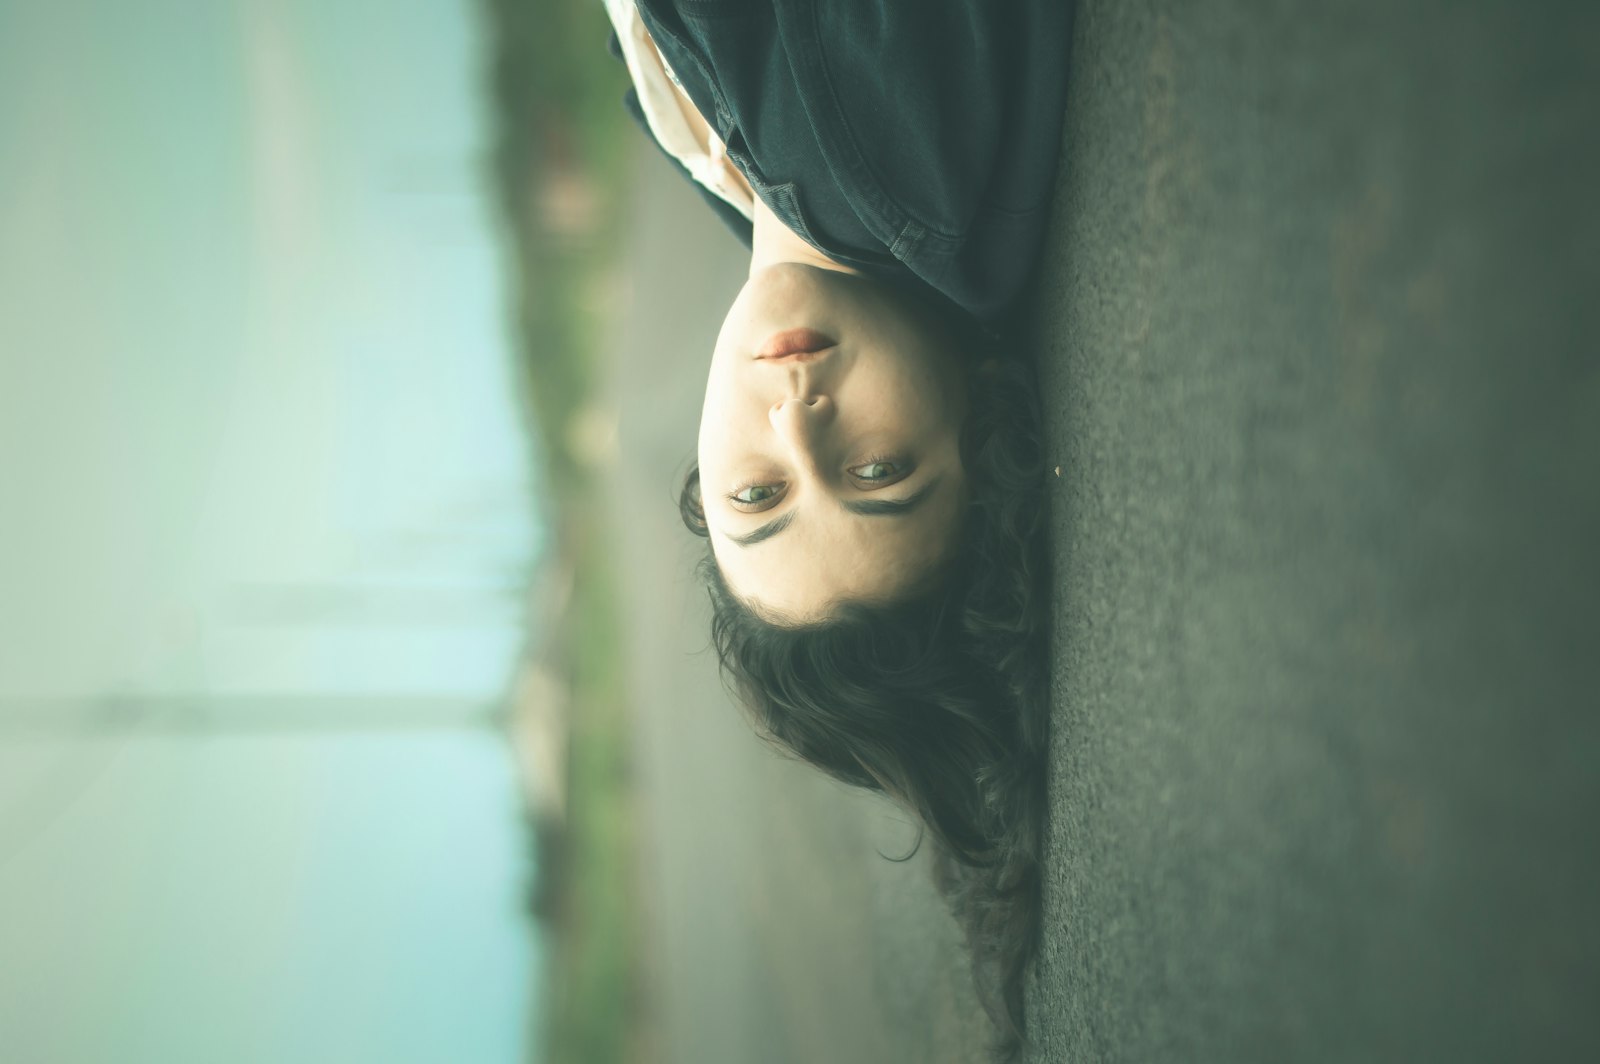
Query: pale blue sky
x=253, y=334
x=257, y=442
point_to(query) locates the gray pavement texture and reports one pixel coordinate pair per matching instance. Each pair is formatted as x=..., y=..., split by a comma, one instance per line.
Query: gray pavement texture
x=1318, y=334
x=1316, y=326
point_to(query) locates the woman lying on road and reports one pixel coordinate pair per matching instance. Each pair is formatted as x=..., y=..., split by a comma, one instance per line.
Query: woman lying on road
x=869, y=477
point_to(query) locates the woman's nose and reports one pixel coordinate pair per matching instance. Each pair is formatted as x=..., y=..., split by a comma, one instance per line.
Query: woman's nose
x=798, y=420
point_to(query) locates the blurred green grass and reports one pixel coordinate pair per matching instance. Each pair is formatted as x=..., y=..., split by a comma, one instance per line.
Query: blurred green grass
x=561, y=176
x=561, y=127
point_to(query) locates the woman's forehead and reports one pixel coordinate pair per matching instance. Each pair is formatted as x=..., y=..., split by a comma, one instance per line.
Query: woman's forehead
x=827, y=555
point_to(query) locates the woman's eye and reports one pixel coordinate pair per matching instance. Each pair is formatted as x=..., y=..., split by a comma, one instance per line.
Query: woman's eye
x=877, y=471
x=756, y=495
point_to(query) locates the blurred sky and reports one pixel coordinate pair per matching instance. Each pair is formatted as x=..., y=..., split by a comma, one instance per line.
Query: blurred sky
x=266, y=508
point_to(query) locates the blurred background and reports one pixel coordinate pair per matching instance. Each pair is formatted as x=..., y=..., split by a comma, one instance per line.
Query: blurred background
x=355, y=702
x=280, y=704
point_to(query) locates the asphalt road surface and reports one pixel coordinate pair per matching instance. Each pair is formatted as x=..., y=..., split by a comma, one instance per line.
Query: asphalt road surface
x=1318, y=333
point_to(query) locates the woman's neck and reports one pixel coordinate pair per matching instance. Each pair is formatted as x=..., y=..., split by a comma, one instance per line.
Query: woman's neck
x=772, y=243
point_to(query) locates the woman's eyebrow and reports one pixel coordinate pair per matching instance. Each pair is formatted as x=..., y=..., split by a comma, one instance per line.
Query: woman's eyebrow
x=865, y=507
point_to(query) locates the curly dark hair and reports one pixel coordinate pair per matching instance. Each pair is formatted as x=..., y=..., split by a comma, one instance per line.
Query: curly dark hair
x=939, y=701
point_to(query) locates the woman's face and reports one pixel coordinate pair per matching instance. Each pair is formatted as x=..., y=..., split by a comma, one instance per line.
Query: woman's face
x=830, y=464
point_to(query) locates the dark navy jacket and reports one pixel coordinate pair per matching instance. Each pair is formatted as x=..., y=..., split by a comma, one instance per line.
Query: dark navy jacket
x=916, y=140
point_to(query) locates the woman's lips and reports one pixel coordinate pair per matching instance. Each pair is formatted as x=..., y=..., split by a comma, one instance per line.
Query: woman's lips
x=798, y=344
